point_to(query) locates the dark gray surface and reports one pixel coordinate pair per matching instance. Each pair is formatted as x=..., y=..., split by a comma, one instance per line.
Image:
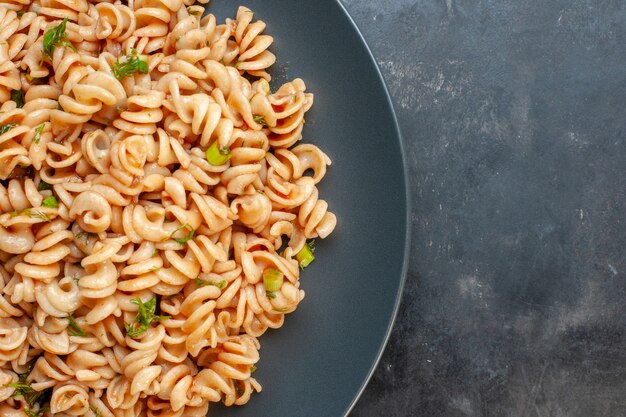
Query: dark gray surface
x=513, y=116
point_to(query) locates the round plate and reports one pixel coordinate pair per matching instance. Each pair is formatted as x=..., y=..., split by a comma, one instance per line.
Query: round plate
x=320, y=360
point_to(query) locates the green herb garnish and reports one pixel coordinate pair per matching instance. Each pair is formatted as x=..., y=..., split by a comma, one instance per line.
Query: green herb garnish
x=260, y=120
x=18, y=97
x=132, y=65
x=20, y=14
x=50, y=202
x=253, y=369
x=183, y=241
x=42, y=186
x=5, y=128
x=54, y=37
x=37, y=215
x=216, y=155
x=96, y=411
x=22, y=387
x=305, y=256
x=38, y=132
x=85, y=235
x=273, y=279
x=219, y=284
x=36, y=413
x=32, y=397
x=145, y=317
x=270, y=294
x=74, y=329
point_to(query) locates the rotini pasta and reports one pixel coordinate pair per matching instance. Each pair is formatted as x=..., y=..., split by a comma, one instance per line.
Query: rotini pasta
x=156, y=207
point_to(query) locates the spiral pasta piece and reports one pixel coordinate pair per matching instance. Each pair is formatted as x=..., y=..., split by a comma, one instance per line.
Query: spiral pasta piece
x=138, y=365
x=254, y=57
x=85, y=90
x=71, y=399
x=227, y=377
x=12, y=339
x=9, y=74
x=289, y=105
x=100, y=279
x=44, y=261
x=13, y=154
x=115, y=21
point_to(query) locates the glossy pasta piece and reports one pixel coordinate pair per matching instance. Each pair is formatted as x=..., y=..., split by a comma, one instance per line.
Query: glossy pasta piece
x=227, y=373
x=290, y=103
x=253, y=57
x=13, y=154
x=138, y=366
x=9, y=74
x=116, y=22
x=12, y=339
x=85, y=91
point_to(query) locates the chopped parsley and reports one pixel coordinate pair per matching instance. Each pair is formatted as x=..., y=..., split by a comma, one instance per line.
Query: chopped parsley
x=260, y=120
x=42, y=186
x=132, y=65
x=18, y=97
x=37, y=215
x=5, y=128
x=30, y=412
x=145, y=317
x=86, y=236
x=34, y=399
x=54, y=37
x=190, y=235
x=38, y=132
x=74, y=329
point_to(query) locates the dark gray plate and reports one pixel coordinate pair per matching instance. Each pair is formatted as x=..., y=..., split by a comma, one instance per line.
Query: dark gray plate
x=320, y=360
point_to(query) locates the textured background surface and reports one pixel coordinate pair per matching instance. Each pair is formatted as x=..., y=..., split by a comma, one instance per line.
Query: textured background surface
x=514, y=120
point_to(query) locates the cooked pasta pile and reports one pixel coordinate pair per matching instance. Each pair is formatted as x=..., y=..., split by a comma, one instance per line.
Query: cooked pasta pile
x=156, y=206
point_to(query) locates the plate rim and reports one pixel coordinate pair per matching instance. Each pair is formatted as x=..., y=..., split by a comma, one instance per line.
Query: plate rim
x=407, y=207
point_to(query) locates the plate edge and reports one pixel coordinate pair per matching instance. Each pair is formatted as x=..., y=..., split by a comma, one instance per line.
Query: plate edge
x=407, y=219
